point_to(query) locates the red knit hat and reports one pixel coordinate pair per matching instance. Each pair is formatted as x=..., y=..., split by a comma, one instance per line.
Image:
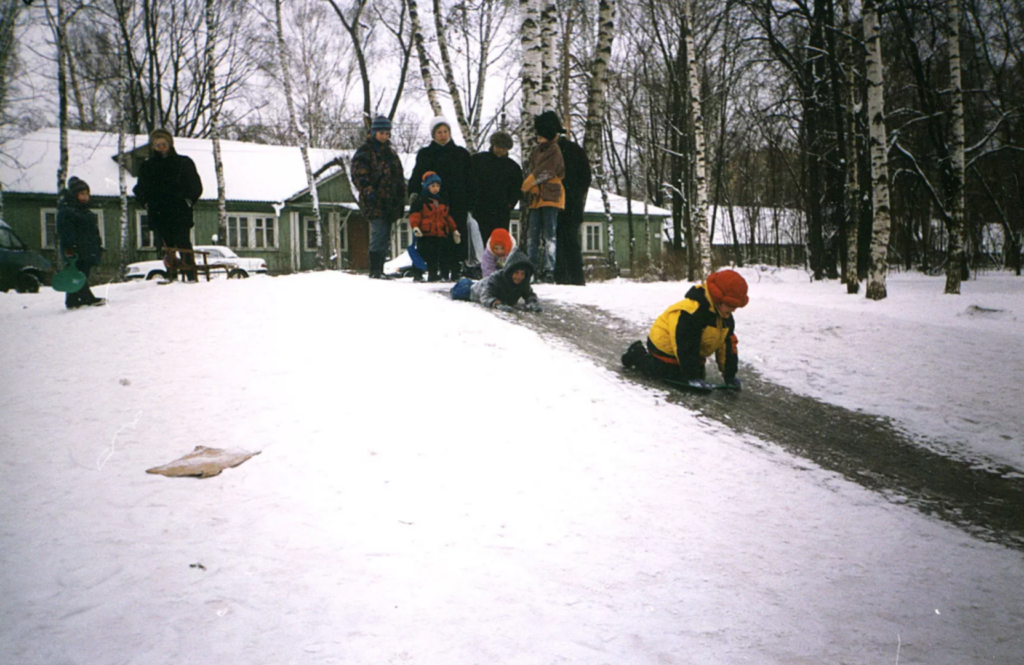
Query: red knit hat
x=500, y=237
x=728, y=287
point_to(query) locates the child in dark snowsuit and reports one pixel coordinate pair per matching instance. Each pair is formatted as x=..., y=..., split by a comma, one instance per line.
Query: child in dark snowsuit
x=505, y=287
x=689, y=331
x=79, y=234
x=432, y=225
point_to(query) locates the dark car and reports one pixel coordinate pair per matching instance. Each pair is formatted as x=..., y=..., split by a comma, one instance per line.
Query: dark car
x=21, y=268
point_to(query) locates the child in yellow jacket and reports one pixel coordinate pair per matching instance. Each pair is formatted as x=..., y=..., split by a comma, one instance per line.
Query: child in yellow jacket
x=691, y=330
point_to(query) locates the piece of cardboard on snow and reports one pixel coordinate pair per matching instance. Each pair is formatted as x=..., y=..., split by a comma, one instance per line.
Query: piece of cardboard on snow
x=203, y=462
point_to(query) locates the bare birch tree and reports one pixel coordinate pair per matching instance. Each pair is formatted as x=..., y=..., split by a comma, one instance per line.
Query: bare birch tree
x=449, y=77
x=532, y=51
x=955, y=257
x=211, y=79
x=879, y=156
x=549, y=52
x=299, y=134
x=592, y=136
x=700, y=211
x=424, y=58
x=851, y=156
x=122, y=170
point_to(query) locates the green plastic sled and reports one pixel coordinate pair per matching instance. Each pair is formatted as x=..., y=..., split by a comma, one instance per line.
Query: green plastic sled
x=69, y=280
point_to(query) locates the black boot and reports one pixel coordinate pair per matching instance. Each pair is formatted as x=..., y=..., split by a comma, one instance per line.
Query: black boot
x=634, y=354
x=374, y=270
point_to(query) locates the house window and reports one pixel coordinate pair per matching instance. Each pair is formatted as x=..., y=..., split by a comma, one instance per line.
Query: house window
x=48, y=227
x=309, y=224
x=591, y=237
x=252, y=231
x=144, y=236
x=402, y=235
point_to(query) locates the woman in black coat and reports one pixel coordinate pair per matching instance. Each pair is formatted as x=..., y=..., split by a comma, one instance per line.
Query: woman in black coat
x=79, y=234
x=452, y=163
x=568, y=253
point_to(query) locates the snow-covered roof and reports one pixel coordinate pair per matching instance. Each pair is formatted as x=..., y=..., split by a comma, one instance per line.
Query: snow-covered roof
x=252, y=172
x=761, y=219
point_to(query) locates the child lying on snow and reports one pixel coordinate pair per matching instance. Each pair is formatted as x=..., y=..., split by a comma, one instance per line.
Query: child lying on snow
x=691, y=330
x=503, y=288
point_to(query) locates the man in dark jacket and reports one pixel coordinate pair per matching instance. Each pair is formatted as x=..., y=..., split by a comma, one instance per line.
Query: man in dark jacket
x=169, y=186
x=379, y=180
x=496, y=181
x=452, y=163
x=79, y=234
x=568, y=253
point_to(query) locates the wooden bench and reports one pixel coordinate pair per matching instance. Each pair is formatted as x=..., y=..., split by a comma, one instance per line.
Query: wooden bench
x=176, y=265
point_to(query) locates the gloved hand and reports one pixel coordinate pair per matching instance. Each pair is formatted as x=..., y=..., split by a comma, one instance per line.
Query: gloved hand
x=457, y=236
x=532, y=307
x=734, y=382
x=497, y=304
x=700, y=384
x=413, y=198
x=417, y=232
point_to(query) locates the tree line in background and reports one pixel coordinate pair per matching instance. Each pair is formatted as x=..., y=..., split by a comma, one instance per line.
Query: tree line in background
x=895, y=128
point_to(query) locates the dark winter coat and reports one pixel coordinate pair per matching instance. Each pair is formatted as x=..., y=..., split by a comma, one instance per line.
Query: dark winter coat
x=496, y=182
x=499, y=287
x=690, y=331
x=568, y=253
x=78, y=230
x=453, y=164
x=169, y=187
x=379, y=180
x=431, y=216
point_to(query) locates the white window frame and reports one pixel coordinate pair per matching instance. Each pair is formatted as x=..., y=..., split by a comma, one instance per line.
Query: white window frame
x=513, y=230
x=402, y=231
x=251, y=220
x=139, y=215
x=584, y=227
x=51, y=243
x=306, y=229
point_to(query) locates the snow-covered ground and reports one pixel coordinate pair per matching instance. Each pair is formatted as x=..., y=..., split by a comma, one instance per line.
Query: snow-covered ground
x=439, y=486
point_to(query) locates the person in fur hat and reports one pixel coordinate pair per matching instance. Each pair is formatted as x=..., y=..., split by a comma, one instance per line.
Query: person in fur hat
x=544, y=193
x=452, y=163
x=693, y=329
x=379, y=180
x=79, y=234
x=169, y=186
x=432, y=225
x=496, y=181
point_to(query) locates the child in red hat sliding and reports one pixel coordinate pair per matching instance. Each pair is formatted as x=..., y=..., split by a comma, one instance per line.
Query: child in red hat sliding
x=691, y=330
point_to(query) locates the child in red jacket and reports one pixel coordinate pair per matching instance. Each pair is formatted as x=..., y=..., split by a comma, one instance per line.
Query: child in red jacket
x=432, y=225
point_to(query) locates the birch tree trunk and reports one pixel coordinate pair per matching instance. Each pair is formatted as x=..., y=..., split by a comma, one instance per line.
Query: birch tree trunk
x=879, y=156
x=299, y=133
x=548, y=33
x=61, y=33
x=852, y=277
x=592, y=143
x=529, y=38
x=211, y=82
x=449, y=77
x=700, y=210
x=421, y=52
x=955, y=255
x=122, y=172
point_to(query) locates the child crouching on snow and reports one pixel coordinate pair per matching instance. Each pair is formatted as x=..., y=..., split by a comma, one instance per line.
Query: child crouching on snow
x=689, y=331
x=432, y=225
x=499, y=246
x=504, y=288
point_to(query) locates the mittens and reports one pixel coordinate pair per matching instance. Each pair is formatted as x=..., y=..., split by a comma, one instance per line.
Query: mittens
x=417, y=232
x=532, y=307
x=457, y=236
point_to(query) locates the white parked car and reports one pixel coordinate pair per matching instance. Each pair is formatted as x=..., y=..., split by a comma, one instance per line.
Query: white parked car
x=218, y=255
